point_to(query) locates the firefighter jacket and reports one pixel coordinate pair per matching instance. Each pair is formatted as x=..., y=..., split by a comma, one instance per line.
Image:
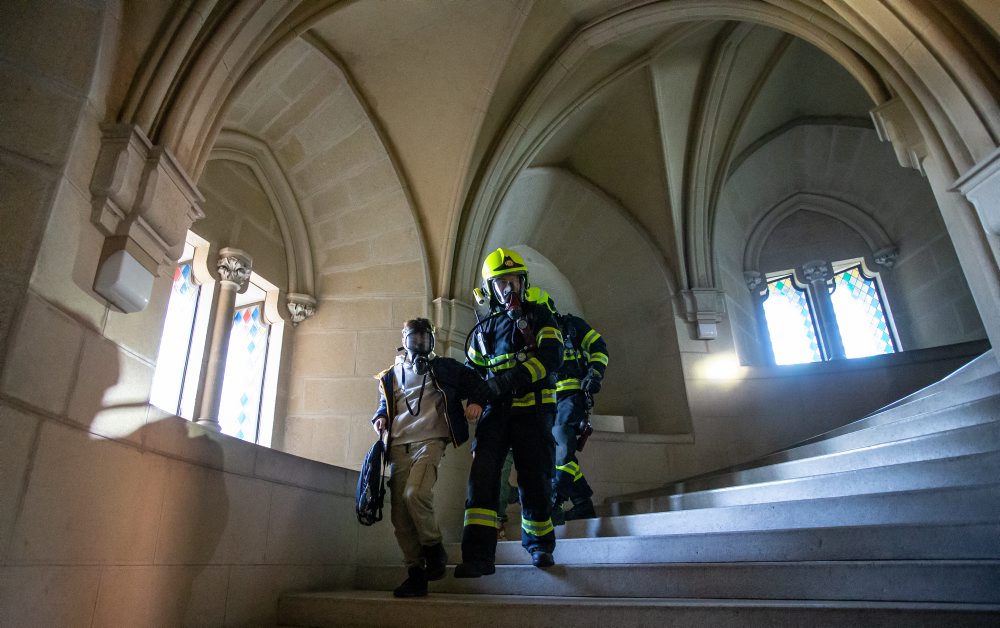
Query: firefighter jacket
x=453, y=380
x=525, y=360
x=585, y=349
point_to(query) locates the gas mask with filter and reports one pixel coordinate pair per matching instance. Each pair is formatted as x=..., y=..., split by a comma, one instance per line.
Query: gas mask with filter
x=418, y=343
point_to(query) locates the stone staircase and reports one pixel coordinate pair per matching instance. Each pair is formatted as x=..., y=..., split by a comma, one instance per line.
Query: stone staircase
x=891, y=520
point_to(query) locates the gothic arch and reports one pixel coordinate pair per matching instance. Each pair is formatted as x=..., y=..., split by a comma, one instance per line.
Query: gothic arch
x=854, y=37
x=253, y=153
x=857, y=219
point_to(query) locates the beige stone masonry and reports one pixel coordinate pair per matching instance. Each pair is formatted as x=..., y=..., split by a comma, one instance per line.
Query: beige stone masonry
x=42, y=361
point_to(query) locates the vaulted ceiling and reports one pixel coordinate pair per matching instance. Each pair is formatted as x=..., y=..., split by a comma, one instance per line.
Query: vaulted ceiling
x=456, y=98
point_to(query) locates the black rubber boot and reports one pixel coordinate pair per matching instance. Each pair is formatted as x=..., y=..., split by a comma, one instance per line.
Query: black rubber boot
x=558, y=514
x=436, y=559
x=474, y=569
x=415, y=584
x=542, y=559
x=583, y=508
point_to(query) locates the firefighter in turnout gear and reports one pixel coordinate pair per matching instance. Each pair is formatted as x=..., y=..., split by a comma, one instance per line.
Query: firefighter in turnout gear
x=518, y=348
x=585, y=359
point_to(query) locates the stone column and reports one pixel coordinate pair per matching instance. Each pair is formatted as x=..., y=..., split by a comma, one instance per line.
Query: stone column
x=757, y=284
x=453, y=320
x=818, y=275
x=234, y=277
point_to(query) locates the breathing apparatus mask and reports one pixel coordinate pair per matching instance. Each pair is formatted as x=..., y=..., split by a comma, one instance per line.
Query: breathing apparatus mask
x=509, y=293
x=418, y=341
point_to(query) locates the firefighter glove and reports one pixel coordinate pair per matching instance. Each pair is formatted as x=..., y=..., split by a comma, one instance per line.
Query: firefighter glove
x=500, y=385
x=592, y=382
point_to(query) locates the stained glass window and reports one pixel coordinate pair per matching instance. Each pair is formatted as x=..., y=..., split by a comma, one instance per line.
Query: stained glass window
x=858, y=304
x=239, y=414
x=175, y=344
x=790, y=323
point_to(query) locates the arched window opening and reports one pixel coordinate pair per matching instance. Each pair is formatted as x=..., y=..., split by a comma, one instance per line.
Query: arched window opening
x=246, y=366
x=862, y=315
x=182, y=344
x=250, y=378
x=790, y=322
x=840, y=312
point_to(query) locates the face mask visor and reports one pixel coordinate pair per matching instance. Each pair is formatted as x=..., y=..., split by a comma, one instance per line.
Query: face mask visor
x=509, y=290
x=418, y=342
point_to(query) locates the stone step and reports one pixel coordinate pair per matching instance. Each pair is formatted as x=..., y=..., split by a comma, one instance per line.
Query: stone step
x=968, y=470
x=878, y=542
x=976, y=438
x=963, y=504
x=943, y=398
x=961, y=581
x=983, y=411
x=347, y=609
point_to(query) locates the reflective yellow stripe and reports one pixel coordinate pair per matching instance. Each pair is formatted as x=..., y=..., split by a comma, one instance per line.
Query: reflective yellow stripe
x=567, y=384
x=599, y=357
x=536, y=368
x=591, y=336
x=537, y=528
x=481, y=517
x=571, y=468
x=524, y=401
x=475, y=357
x=570, y=354
x=505, y=360
x=548, y=332
x=577, y=476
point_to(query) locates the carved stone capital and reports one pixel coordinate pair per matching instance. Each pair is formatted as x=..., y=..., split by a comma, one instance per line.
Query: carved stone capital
x=140, y=192
x=756, y=283
x=886, y=256
x=234, y=266
x=817, y=270
x=300, y=307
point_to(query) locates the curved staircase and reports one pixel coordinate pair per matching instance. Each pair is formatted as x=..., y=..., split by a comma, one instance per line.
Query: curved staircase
x=893, y=520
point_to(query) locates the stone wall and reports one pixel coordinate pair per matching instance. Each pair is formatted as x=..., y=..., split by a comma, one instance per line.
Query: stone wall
x=371, y=270
x=927, y=292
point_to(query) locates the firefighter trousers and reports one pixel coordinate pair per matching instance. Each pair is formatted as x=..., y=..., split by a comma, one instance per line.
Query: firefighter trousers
x=527, y=432
x=569, y=482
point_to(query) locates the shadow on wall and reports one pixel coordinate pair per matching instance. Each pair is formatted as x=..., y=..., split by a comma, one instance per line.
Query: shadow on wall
x=102, y=518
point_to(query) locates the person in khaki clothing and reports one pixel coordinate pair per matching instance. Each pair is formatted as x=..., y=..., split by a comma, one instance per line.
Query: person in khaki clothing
x=421, y=407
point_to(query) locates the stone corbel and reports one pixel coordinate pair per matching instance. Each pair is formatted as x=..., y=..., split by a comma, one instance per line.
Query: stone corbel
x=300, y=307
x=705, y=309
x=886, y=256
x=142, y=196
x=895, y=124
x=756, y=284
x=981, y=185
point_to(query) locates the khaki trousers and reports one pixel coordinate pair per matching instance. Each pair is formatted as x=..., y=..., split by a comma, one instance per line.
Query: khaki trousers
x=413, y=472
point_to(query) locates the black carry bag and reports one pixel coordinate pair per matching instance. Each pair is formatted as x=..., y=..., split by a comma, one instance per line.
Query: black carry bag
x=370, y=493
